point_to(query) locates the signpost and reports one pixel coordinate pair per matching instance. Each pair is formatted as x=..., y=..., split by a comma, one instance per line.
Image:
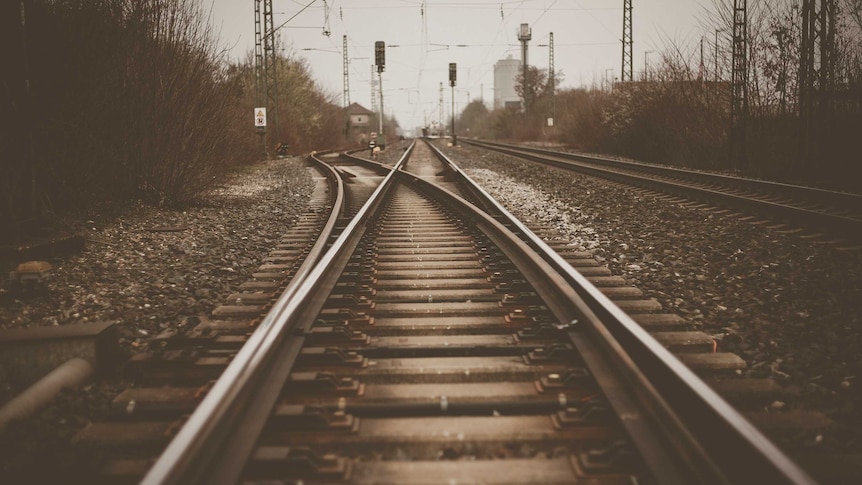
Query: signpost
x=260, y=117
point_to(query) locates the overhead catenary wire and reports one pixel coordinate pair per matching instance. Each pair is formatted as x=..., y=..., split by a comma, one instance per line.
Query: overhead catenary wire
x=294, y=16
x=414, y=66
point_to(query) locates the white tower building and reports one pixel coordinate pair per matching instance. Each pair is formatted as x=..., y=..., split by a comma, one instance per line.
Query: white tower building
x=505, y=73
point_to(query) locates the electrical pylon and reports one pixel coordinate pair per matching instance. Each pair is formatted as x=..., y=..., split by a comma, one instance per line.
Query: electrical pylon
x=346, y=64
x=739, y=84
x=626, y=69
x=266, y=65
x=816, y=75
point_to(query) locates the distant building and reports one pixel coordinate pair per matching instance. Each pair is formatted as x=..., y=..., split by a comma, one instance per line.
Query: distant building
x=505, y=73
x=359, y=123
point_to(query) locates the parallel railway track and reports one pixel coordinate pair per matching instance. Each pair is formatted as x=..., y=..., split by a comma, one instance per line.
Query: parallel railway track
x=834, y=213
x=432, y=342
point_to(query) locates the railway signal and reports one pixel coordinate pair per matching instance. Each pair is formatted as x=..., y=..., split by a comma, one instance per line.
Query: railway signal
x=380, y=55
x=380, y=60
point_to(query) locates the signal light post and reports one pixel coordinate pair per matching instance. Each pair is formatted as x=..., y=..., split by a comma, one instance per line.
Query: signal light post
x=380, y=61
x=452, y=76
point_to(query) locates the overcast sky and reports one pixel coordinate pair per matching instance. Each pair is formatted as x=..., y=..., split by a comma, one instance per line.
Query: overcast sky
x=472, y=33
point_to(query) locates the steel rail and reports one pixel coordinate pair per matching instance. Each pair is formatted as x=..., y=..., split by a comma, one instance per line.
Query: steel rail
x=699, y=424
x=381, y=167
x=619, y=378
x=798, y=192
x=850, y=226
x=246, y=405
x=217, y=437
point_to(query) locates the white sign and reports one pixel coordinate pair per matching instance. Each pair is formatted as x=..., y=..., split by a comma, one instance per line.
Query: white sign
x=260, y=117
x=550, y=122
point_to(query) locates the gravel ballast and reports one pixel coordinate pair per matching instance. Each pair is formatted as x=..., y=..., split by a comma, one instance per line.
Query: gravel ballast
x=789, y=306
x=148, y=270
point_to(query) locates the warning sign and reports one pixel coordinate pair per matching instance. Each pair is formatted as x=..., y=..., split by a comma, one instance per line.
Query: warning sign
x=260, y=117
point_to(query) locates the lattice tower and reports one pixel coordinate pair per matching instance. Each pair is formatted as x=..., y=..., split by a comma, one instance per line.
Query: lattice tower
x=627, y=62
x=739, y=83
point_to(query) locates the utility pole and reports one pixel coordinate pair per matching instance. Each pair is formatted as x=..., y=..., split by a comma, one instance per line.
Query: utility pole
x=816, y=76
x=380, y=136
x=266, y=64
x=739, y=84
x=259, y=77
x=346, y=70
x=373, y=90
x=524, y=35
x=442, y=124
x=551, y=79
x=627, y=42
x=346, y=97
x=270, y=66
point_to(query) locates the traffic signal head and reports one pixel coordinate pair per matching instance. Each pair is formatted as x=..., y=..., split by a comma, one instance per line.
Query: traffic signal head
x=453, y=74
x=380, y=55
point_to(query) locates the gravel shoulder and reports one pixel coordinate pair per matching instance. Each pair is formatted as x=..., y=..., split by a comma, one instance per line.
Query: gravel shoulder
x=788, y=306
x=148, y=269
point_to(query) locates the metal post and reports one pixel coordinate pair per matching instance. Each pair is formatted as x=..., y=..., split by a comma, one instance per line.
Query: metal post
x=816, y=76
x=551, y=77
x=380, y=62
x=380, y=120
x=453, y=76
x=524, y=35
x=454, y=137
x=346, y=69
x=259, y=76
x=739, y=84
x=442, y=124
x=373, y=91
x=346, y=101
x=627, y=42
x=270, y=67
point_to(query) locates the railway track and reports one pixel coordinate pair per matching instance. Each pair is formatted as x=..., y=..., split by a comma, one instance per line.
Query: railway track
x=834, y=213
x=431, y=342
